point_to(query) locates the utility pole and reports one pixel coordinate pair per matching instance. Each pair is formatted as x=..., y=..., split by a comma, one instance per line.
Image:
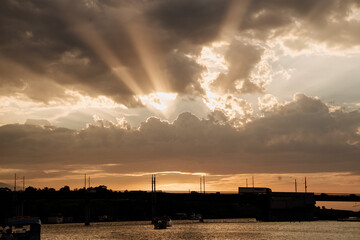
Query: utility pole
x=305, y=186
x=246, y=183
x=154, y=182
x=204, y=183
x=295, y=186
x=201, y=184
x=87, y=204
x=153, y=195
x=19, y=207
x=253, y=182
x=23, y=183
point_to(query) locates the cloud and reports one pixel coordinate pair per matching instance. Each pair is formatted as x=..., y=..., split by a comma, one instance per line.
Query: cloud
x=196, y=22
x=97, y=48
x=267, y=102
x=40, y=122
x=235, y=109
x=307, y=126
x=122, y=49
x=242, y=59
x=299, y=136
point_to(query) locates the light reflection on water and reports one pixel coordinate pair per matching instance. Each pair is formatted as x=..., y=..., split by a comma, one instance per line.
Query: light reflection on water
x=211, y=229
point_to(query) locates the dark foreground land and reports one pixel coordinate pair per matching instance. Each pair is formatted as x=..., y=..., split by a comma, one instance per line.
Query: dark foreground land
x=102, y=204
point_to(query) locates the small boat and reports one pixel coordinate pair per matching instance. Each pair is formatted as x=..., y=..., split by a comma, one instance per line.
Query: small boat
x=162, y=222
x=169, y=222
x=194, y=216
x=25, y=228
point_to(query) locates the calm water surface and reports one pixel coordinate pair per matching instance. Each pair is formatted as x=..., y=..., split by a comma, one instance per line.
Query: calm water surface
x=211, y=229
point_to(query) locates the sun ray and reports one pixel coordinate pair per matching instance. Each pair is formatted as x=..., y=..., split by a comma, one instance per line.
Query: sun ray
x=146, y=47
x=233, y=19
x=87, y=33
x=149, y=55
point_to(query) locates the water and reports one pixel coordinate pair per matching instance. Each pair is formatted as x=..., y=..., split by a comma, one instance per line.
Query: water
x=211, y=229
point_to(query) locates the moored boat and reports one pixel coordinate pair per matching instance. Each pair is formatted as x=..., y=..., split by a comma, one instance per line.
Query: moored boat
x=25, y=228
x=162, y=222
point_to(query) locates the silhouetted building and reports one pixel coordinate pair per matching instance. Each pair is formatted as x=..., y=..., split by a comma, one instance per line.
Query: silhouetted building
x=280, y=206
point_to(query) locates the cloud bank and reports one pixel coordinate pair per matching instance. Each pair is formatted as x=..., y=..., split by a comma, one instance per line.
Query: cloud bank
x=299, y=136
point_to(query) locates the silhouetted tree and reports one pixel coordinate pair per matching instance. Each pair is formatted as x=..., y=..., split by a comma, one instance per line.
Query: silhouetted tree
x=5, y=189
x=101, y=189
x=66, y=188
x=46, y=189
x=30, y=189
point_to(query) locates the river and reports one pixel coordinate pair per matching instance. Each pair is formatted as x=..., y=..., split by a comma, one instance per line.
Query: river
x=211, y=229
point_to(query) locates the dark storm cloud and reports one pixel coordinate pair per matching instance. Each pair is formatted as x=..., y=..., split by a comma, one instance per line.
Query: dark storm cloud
x=300, y=136
x=77, y=44
x=196, y=22
x=201, y=21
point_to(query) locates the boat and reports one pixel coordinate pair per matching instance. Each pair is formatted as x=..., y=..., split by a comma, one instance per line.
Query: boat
x=169, y=223
x=194, y=216
x=162, y=222
x=25, y=228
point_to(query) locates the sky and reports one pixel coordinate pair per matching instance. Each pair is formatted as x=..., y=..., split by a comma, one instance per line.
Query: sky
x=120, y=90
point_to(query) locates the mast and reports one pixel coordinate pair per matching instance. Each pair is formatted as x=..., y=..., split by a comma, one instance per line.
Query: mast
x=204, y=183
x=154, y=182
